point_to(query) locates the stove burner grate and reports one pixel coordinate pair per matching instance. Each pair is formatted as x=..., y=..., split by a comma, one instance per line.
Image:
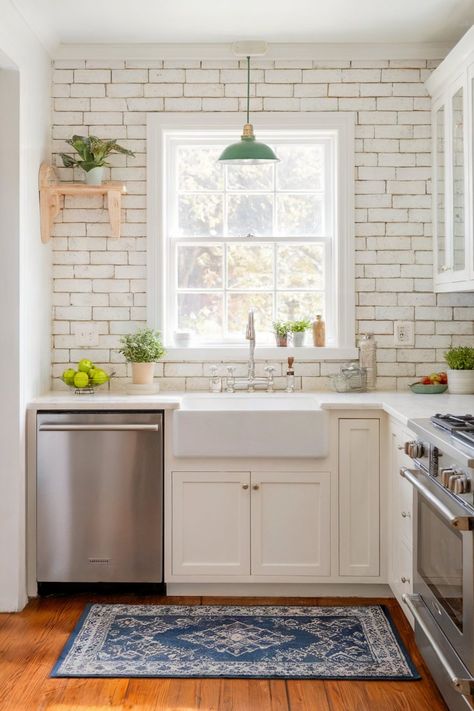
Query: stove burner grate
x=452, y=423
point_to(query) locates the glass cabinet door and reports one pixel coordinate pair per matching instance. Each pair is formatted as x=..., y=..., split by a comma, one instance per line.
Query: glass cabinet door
x=458, y=186
x=440, y=189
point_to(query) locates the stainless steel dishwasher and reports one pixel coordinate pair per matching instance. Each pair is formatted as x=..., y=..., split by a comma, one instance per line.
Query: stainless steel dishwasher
x=100, y=497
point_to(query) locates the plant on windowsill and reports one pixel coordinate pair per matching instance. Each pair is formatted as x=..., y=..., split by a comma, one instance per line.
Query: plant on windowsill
x=460, y=360
x=298, y=330
x=281, y=329
x=93, y=153
x=142, y=349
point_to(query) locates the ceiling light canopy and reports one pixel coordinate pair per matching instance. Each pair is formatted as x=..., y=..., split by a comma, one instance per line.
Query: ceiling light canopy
x=248, y=151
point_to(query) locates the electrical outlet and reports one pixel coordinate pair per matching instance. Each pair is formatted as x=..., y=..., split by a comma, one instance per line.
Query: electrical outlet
x=86, y=335
x=404, y=333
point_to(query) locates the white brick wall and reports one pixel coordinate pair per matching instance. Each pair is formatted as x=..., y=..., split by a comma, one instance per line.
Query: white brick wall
x=104, y=281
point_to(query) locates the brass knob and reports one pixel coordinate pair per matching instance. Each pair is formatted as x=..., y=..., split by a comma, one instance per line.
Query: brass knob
x=245, y=486
x=255, y=487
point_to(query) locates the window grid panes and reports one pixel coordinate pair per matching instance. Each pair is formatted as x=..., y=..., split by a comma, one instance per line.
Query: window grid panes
x=241, y=237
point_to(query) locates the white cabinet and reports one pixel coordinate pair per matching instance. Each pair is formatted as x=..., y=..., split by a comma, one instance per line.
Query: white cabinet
x=359, y=494
x=401, y=519
x=244, y=524
x=211, y=523
x=452, y=87
x=291, y=523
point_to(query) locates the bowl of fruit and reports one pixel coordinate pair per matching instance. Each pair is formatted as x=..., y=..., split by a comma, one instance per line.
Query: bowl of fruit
x=433, y=384
x=86, y=378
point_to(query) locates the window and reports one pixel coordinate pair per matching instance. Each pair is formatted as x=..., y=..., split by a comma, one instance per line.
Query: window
x=239, y=237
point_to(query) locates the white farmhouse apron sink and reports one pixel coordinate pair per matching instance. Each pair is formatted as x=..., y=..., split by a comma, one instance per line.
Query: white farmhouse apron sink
x=250, y=425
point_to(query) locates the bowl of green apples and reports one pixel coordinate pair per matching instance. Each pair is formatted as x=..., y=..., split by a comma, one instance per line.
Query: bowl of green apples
x=86, y=378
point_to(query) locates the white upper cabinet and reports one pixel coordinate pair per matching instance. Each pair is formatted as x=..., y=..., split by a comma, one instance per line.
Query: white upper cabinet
x=452, y=87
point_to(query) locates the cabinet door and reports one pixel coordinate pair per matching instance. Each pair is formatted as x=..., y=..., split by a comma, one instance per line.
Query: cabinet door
x=291, y=523
x=359, y=506
x=211, y=523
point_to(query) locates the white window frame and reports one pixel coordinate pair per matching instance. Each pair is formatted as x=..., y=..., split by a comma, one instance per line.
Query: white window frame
x=343, y=256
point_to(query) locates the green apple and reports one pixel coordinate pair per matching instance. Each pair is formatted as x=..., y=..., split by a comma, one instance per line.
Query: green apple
x=68, y=376
x=81, y=380
x=99, y=376
x=85, y=365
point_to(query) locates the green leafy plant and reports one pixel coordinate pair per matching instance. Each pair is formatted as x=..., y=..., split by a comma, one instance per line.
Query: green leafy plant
x=92, y=151
x=143, y=346
x=460, y=358
x=282, y=328
x=300, y=326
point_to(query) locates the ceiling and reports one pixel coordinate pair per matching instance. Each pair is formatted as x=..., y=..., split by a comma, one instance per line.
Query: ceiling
x=177, y=21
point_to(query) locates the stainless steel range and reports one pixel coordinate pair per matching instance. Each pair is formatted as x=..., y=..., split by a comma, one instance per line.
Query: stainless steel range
x=443, y=599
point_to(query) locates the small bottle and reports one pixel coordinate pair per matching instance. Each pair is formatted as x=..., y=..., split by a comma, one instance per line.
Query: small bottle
x=319, y=332
x=368, y=358
x=290, y=376
x=215, y=382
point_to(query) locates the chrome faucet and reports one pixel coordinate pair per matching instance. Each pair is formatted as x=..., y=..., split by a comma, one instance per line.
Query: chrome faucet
x=250, y=383
x=250, y=336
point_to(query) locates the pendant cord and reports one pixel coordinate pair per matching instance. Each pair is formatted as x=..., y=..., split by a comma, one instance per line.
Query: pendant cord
x=248, y=89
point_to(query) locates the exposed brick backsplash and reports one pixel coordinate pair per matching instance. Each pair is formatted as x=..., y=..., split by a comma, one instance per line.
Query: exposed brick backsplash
x=103, y=280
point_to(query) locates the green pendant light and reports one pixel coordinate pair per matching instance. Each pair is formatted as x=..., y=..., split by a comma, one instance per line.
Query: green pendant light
x=247, y=151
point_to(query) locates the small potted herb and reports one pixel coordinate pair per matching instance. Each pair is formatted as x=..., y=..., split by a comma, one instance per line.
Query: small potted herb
x=298, y=330
x=93, y=153
x=281, y=329
x=460, y=360
x=142, y=349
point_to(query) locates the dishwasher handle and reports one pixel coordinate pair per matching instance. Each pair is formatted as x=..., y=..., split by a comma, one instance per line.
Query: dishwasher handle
x=99, y=428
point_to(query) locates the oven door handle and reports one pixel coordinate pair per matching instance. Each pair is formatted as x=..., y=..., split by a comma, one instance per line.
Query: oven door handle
x=464, y=686
x=461, y=522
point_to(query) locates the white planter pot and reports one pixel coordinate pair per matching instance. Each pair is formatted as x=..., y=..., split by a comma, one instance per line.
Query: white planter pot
x=95, y=176
x=142, y=373
x=460, y=382
x=298, y=338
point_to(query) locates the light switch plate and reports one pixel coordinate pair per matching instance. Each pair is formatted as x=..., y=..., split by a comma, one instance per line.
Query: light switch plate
x=86, y=335
x=404, y=333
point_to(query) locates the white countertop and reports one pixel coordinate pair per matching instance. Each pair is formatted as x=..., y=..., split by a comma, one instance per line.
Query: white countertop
x=401, y=406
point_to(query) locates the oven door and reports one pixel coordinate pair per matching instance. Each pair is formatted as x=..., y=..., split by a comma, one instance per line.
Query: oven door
x=444, y=562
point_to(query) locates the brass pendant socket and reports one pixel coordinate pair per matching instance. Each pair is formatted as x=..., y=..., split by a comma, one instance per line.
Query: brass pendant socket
x=247, y=131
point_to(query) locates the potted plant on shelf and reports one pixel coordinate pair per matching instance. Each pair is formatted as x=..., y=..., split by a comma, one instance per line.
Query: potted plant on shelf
x=93, y=153
x=142, y=349
x=298, y=330
x=460, y=360
x=281, y=329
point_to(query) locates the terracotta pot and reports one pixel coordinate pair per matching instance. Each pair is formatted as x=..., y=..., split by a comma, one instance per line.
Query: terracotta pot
x=142, y=373
x=460, y=382
x=281, y=340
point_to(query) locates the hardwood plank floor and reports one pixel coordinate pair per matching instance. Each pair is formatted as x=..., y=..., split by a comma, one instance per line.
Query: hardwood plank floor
x=31, y=641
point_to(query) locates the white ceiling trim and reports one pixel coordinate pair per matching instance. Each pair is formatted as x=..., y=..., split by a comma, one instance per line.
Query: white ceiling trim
x=300, y=50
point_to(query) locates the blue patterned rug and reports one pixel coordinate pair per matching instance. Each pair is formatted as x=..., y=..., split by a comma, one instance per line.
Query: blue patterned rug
x=244, y=642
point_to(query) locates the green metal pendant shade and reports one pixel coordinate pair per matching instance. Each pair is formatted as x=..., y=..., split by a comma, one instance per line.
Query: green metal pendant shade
x=247, y=151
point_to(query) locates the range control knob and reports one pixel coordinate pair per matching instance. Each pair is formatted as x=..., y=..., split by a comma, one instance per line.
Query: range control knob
x=414, y=449
x=445, y=475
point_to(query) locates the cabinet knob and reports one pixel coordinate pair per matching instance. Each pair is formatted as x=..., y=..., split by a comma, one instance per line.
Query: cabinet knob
x=405, y=514
x=404, y=579
x=255, y=487
x=245, y=486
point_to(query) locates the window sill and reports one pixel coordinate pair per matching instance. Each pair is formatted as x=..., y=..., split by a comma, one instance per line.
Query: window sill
x=240, y=353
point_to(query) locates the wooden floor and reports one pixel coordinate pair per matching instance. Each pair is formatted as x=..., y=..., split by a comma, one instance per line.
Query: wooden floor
x=31, y=641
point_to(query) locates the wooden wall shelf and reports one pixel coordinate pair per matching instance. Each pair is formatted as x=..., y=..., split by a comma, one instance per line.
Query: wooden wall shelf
x=51, y=189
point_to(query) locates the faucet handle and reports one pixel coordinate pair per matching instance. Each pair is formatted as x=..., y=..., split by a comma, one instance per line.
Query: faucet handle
x=230, y=379
x=269, y=369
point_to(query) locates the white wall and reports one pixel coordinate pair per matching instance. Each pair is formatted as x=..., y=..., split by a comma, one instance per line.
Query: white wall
x=24, y=278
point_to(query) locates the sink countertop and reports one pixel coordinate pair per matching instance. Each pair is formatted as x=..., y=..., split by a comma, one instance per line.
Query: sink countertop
x=401, y=406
